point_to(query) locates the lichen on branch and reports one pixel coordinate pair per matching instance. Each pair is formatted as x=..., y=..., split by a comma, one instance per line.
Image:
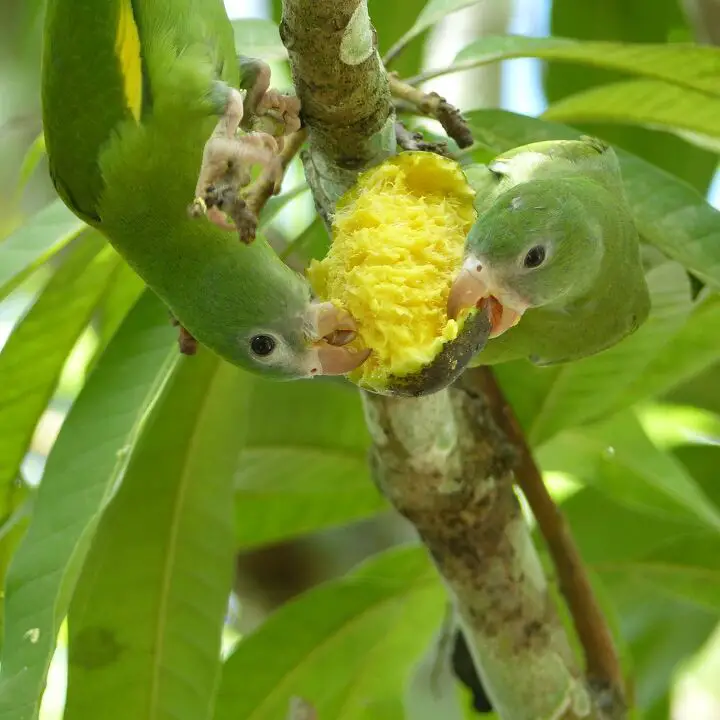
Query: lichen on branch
x=445, y=466
x=343, y=90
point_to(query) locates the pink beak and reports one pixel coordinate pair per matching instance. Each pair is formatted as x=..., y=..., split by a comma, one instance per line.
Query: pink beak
x=470, y=289
x=333, y=329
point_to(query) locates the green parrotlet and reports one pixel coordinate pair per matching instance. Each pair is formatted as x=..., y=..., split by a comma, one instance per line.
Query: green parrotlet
x=556, y=250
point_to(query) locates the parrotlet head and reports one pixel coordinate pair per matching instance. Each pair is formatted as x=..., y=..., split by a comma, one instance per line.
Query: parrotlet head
x=307, y=344
x=535, y=246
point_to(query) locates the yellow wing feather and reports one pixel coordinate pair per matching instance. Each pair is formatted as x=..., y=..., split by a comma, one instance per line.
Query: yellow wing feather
x=127, y=49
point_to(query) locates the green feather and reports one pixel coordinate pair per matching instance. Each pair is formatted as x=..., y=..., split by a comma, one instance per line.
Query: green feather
x=590, y=292
x=131, y=93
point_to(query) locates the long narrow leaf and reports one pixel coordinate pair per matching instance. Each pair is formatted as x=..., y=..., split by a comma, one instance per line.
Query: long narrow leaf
x=346, y=647
x=304, y=463
x=33, y=358
x=433, y=12
x=651, y=103
x=168, y=536
x=618, y=457
x=81, y=475
x=684, y=64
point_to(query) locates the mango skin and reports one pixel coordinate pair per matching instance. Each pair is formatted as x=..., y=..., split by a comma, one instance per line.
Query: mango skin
x=449, y=363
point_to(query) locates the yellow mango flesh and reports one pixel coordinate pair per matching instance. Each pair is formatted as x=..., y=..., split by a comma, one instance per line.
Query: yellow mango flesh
x=398, y=243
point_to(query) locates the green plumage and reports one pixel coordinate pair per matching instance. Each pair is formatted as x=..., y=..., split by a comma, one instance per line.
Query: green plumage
x=589, y=292
x=132, y=174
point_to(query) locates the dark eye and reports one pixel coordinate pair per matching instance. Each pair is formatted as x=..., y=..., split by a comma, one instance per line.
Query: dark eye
x=535, y=257
x=262, y=345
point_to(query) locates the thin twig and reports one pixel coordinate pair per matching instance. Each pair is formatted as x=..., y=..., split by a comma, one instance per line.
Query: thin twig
x=604, y=672
x=414, y=141
x=434, y=106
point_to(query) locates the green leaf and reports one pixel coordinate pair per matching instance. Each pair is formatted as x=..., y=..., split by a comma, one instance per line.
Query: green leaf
x=685, y=64
x=123, y=292
x=617, y=457
x=258, y=38
x=168, y=535
x=690, y=351
x=587, y=389
x=275, y=204
x=646, y=102
x=312, y=243
x=390, y=20
x=304, y=462
x=80, y=477
x=34, y=243
x=668, y=212
x=33, y=156
x=627, y=21
x=686, y=568
x=433, y=12
x=591, y=512
x=346, y=646
x=33, y=358
x=19, y=502
x=658, y=632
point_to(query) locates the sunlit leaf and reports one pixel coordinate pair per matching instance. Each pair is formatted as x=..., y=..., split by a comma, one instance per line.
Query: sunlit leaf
x=686, y=569
x=256, y=37
x=122, y=293
x=646, y=102
x=304, y=462
x=627, y=21
x=692, y=66
x=33, y=156
x=80, y=477
x=312, y=243
x=433, y=12
x=658, y=632
x=617, y=457
x=18, y=502
x=35, y=242
x=346, y=646
x=692, y=349
x=668, y=212
x=168, y=535
x=587, y=389
x=32, y=360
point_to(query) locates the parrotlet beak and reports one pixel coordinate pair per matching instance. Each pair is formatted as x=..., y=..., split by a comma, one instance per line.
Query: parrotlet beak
x=331, y=330
x=473, y=287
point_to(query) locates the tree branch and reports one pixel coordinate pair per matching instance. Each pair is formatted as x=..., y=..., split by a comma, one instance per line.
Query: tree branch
x=602, y=665
x=444, y=465
x=441, y=460
x=343, y=89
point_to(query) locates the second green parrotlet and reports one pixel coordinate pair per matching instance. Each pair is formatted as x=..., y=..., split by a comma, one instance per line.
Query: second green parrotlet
x=556, y=251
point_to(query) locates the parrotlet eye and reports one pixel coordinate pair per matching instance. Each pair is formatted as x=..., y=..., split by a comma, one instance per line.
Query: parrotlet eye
x=262, y=345
x=535, y=257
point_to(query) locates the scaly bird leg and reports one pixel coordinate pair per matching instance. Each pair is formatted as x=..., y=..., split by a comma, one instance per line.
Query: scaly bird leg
x=228, y=159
